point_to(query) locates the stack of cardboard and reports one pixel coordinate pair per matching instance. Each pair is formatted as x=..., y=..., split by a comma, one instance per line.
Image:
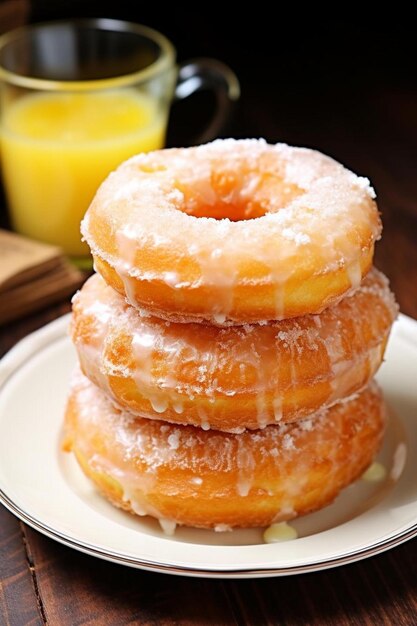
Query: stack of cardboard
x=32, y=275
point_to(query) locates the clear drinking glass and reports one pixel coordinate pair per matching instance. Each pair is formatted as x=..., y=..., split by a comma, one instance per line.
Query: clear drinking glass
x=79, y=97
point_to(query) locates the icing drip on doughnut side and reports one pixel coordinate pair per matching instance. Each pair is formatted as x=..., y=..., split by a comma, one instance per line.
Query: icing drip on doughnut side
x=214, y=271
x=354, y=273
x=93, y=347
x=277, y=404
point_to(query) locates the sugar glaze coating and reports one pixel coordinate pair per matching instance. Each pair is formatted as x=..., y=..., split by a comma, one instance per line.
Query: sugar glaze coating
x=232, y=232
x=185, y=475
x=237, y=377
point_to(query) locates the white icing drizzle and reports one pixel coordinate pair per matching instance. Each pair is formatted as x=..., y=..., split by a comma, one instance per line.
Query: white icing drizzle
x=354, y=273
x=221, y=274
x=168, y=526
x=279, y=279
x=278, y=532
x=172, y=279
x=262, y=414
x=143, y=346
x=222, y=528
x=159, y=404
x=246, y=467
x=205, y=424
x=135, y=505
x=375, y=473
x=277, y=404
x=129, y=285
x=178, y=407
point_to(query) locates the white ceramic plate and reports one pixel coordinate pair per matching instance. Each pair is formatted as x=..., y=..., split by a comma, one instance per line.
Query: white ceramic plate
x=45, y=488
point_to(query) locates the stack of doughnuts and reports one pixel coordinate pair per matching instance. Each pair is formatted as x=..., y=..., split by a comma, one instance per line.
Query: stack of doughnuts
x=228, y=341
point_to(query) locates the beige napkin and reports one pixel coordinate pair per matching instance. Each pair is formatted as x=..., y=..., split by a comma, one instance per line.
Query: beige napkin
x=32, y=275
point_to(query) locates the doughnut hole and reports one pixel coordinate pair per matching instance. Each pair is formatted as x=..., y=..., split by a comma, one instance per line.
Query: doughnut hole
x=236, y=195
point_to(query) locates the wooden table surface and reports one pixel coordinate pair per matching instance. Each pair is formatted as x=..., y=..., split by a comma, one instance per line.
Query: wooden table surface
x=44, y=582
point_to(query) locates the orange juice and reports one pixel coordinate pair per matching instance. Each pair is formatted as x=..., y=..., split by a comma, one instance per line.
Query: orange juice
x=58, y=147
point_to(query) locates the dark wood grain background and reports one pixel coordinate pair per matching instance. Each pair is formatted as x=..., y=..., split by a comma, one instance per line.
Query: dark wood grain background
x=349, y=88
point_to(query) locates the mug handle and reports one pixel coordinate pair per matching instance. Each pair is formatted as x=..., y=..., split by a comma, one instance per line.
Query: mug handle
x=202, y=74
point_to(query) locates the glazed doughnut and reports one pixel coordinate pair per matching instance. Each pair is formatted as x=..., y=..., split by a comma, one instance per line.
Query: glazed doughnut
x=232, y=231
x=234, y=377
x=184, y=475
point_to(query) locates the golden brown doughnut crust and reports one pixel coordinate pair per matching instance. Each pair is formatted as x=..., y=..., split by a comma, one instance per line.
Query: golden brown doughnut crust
x=236, y=377
x=237, y=231
x=207, y=478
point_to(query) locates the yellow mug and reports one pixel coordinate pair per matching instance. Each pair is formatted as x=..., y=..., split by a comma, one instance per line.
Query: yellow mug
x=79, y=97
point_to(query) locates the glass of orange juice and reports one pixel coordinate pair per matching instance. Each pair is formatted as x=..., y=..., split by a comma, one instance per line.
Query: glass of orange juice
x=77, y=98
